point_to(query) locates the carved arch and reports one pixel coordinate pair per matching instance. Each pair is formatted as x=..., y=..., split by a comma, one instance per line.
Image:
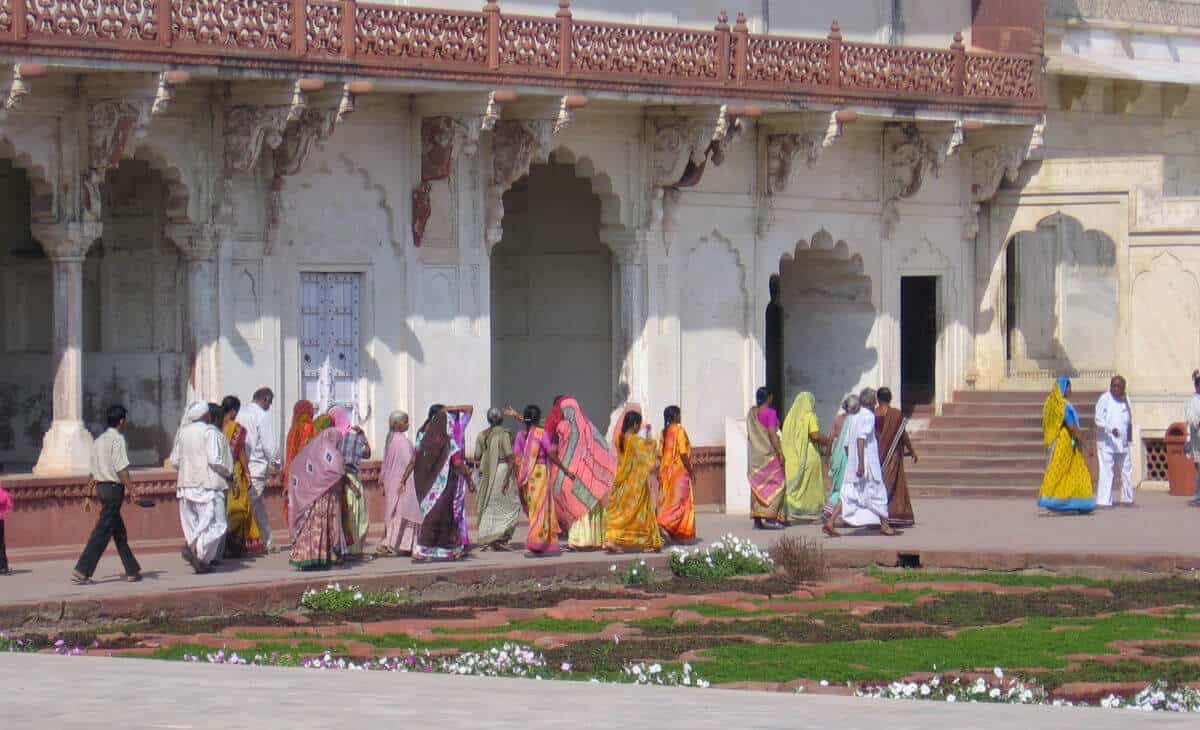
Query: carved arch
x=823, y=240
x=41, y=190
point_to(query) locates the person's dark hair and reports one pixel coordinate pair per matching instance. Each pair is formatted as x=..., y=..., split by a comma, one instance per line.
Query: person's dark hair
x=532, y=415
x=631, y=422
x=671, y=414
x=214, y=414
x=114, y=415
x=230, y=404
x=884, y=395
x=433, y=411
x=264, y=394
x=761, y=396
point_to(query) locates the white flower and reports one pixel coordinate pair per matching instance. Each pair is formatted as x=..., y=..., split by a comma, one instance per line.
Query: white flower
x=824, y=683
x=994, y=693
x=998, y=672
x=925, y=690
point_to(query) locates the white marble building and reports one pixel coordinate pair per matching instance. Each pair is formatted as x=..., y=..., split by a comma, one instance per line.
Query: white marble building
x=213, y=232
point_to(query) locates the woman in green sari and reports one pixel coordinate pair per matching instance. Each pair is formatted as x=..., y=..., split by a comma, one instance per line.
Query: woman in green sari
x=802, y=442
x=498, y=498
x=838, y=455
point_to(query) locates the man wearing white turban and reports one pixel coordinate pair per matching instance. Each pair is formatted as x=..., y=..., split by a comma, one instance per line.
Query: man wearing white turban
x=202, y=458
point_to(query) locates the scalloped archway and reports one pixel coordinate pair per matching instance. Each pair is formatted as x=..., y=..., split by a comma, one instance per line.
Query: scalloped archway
x=826, y=320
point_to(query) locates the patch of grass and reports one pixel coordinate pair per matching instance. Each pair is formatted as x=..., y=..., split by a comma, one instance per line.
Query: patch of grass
x=404, y=641
x=179, y=652
x=717, y=610
x=212, y=625
x=600, y=656
x=1172, y=651
x=1124, y=670
x=904, y=595
x=769, y=587
x=1039, y=643
x=892, y=577
x=540, y=625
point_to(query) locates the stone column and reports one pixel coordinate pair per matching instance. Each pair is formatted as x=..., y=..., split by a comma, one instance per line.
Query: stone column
x=200, y=246
x=66, y=448
x=629, y=255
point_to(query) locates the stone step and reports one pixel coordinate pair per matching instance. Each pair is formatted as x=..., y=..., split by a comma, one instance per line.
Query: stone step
x=1018, y=396
x=993, y=449
x=955, y=491
x=1033, y=410
x=982, y=435
x=994, y=421
x=978, y=460
x=974, y=477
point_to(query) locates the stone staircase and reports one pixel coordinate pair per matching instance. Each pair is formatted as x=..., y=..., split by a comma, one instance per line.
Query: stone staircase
x=986, y=444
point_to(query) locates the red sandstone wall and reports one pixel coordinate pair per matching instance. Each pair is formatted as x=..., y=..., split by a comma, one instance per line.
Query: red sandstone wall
x=1007, y=26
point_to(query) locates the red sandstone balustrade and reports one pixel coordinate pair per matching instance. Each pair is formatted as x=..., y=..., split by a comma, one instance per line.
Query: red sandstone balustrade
x=346, y=36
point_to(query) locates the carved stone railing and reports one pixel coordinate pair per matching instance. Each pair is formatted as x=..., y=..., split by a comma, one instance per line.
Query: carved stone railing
x=361, y=39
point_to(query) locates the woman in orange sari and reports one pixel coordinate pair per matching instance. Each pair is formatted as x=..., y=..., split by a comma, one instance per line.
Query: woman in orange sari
x=676, y=506
x=243, y=536
x=298, y=436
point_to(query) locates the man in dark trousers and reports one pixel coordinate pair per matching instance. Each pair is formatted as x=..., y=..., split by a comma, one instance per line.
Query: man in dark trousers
x=110, y=485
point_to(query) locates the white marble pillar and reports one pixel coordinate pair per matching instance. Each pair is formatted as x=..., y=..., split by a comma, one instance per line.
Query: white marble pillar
x=66, y=448
x=200, y=246
x=630, y=259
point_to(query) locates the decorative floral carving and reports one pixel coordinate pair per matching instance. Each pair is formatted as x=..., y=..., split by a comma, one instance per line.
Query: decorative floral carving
x=298, y=138
x=907, y=154
x=644, y=51
x=924, y=71
x=529, y=43
x=237, y=24
x=323, y=29
x=1003, y=77
x=793, y=61
x=5, y=17
x=109, y=20
x=246, y=129
x=431, y=35
x=516, y=143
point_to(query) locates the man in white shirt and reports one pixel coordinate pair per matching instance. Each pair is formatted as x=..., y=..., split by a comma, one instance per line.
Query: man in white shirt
x=262, y=449
x=1192, y=416
x=202, y=458
x=1114, y=431
x=110, y=486
x=864, y=495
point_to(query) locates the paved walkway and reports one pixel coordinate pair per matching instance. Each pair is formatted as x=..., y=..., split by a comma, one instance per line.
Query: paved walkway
x=132, y=694
x=1004, y=534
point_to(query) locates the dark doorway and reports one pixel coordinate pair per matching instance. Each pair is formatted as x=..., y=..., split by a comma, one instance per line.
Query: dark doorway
x=774, y=344
x=918, y=342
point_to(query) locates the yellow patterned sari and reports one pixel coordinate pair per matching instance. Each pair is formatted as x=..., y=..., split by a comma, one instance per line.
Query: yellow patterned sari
x=631, y=521
x=1067, y=483
x=243, y=536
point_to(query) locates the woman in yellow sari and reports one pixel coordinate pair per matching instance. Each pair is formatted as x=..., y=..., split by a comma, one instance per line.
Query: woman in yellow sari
x=802, y=439
x=630, y=520
x=243, y=536
x=1067, y=483
x=676, y=505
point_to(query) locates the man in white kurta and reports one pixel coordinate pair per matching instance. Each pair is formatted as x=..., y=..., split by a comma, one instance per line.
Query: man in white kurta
x=1114, y=424
x=202, y=458
x=864, y=495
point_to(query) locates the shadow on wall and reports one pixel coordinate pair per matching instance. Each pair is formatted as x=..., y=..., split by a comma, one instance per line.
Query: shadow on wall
x=827, y=319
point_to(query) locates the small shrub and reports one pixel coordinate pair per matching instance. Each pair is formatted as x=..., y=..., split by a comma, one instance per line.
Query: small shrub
x=635, y=574
x=802, y=559
x=334, y=597
x=725, y=558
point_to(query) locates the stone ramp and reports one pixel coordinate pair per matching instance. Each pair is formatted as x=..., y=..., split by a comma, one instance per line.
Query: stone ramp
x=987, y=444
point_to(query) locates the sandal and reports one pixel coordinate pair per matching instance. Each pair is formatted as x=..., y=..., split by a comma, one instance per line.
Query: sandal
x=829, y=531
x=81, y=580
x=136, y=577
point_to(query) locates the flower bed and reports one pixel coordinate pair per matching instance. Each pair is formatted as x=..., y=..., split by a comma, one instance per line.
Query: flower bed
x=725, y=558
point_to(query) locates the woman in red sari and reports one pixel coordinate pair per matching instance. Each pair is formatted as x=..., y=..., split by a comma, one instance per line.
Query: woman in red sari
x=301, y=432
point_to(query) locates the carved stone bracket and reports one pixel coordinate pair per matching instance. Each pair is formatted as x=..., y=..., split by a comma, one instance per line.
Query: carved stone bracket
x=818, y=134
x=299, y=136
x=516, y=145
x=20, y=87
x=681, y=150
x=198, y=242
x=909, y=154
x=437, y=156
x=164, y=92
x=67, y=241
x=992, y=162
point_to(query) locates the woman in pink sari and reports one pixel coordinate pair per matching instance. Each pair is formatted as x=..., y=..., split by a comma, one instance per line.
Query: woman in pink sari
x=402, y=512
x=591, y=466
x=315, y=503
x=766, y=474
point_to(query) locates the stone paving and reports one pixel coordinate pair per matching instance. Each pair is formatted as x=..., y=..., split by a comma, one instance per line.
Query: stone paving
x=1001, y=534
x=80, y=692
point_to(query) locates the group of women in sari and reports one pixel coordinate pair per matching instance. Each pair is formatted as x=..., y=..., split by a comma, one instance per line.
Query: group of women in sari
x=787, y=467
